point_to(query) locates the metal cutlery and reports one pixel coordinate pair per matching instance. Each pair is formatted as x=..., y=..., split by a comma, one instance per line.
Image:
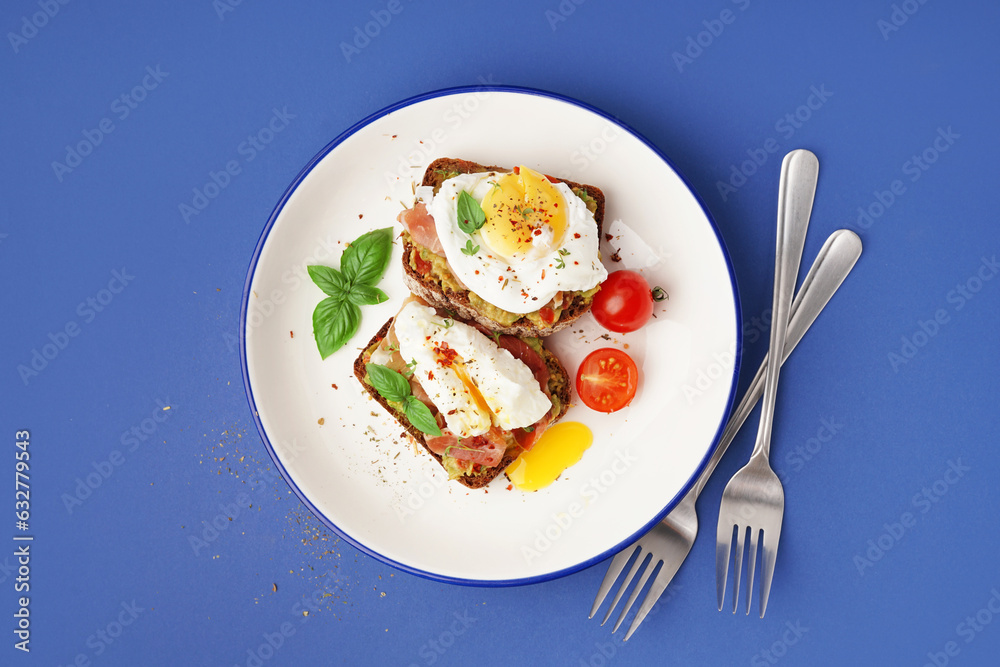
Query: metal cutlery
x=670, y=541
x=753, y=502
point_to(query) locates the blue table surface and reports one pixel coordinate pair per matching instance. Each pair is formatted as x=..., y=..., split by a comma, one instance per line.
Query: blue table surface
x=115, y=306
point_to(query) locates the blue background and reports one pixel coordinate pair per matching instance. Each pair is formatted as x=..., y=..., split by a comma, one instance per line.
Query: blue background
x=851, y=586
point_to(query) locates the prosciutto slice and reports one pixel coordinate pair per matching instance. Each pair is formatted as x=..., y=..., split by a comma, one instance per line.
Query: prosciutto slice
x=420, y=224
x=487, y=449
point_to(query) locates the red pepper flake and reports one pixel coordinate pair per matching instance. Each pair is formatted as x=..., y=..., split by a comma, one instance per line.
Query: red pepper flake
x=334, y=386
x=360, y=215
x=291, y=334
x=543, y=274
x=608, y=237
x=445, y=354
x=575, y=262
x=576, y=235
x=510, y=487
x=430, y=375
x=538, y=232
x=477, y=272
x=394, y=136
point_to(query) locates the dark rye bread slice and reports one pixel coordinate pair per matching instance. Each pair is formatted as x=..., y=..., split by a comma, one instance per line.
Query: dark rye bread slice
x=458, y=301
x=559, y=386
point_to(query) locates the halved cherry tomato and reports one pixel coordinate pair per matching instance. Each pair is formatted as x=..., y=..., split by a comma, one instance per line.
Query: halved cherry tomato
x=607, y=380
x=624, y=302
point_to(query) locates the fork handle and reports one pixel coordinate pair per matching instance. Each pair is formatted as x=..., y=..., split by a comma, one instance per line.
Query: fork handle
x=796, y=190
x=834, y=262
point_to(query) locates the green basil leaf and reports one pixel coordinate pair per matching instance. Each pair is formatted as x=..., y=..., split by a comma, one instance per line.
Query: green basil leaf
x=387, y=382
x=335, y=321
x=329, y=280
x=366, y=295
x=366, y=259
x=420, y=416
x=470, y=214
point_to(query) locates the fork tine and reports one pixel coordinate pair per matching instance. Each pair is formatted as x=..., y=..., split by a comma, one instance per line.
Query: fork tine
x=754, y=532
x=660, y=583
x=770, y=554
x=741, y=538
x=638, y=566
x=618, y=564
x=723, y=546
x=635, y=591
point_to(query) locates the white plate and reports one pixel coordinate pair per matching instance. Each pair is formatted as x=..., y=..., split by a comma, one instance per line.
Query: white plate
x=372, y=488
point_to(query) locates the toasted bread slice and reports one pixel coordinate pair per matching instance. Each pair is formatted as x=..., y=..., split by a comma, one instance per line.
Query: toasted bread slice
x=559, y=388
x=457, y=301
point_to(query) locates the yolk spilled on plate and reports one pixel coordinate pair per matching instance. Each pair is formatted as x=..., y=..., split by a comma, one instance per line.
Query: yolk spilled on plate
x=560, y=446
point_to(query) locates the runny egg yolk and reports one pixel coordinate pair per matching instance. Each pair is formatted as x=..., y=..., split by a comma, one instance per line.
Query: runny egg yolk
x=525, y=215
x=471, y=388
x=448, y=358
x=558, y=448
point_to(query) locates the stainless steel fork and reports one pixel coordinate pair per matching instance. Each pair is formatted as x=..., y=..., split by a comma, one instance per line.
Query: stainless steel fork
x=753, y=501
x=670, y=541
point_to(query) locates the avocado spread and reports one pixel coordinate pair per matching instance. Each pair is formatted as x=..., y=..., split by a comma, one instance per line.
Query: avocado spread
x=442, y=276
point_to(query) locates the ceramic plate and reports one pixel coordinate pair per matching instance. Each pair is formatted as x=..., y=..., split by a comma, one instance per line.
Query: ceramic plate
x=343, y=455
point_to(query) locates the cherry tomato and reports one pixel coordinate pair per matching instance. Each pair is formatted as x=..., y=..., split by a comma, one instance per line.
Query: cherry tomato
x=607, y=380
x=624, y=302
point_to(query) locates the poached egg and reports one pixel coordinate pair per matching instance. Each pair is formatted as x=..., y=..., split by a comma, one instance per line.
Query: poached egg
x=538, y=238
x=474, y=383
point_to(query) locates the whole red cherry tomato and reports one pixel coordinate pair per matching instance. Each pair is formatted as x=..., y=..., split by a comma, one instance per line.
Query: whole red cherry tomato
x=624, y=302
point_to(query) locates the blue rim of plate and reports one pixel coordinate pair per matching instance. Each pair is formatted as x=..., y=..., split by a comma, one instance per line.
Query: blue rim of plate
x=489, y=583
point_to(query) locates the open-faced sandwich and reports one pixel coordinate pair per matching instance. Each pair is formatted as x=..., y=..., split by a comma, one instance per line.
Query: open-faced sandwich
x=514, y=251
x=475, y=400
